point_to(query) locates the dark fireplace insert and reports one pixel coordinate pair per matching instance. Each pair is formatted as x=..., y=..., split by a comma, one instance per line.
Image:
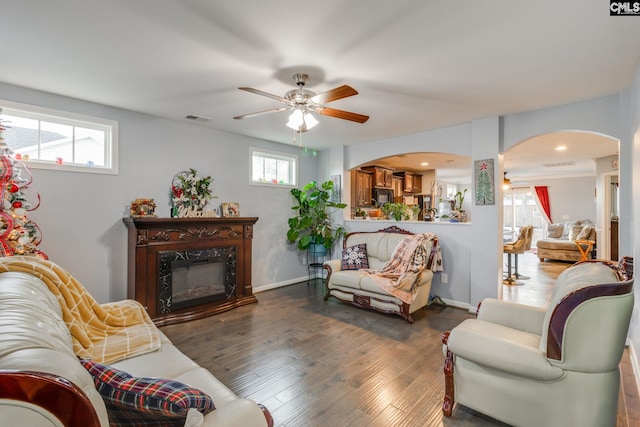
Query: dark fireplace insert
x=192, y=277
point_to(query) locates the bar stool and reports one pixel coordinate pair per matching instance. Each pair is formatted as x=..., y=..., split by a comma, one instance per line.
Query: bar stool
x=517, y=247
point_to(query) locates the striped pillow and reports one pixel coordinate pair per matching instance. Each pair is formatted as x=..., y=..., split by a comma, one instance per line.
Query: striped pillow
x=132, y=401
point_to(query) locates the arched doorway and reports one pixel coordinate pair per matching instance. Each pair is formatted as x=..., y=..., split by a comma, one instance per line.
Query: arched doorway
x=578, y=168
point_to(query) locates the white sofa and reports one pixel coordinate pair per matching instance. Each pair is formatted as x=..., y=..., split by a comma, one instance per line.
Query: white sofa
x=554, y=366
x=560, y=243
x=359, y=289
x=43, y=383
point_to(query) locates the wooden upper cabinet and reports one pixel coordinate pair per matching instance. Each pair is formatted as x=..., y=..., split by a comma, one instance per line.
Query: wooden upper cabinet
x=411, y=182
x=382, y=177
x=397, y=187
x=361, y=186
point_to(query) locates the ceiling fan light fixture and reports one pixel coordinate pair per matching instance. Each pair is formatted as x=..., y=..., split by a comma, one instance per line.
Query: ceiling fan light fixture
x=295, y=119
x=506, y=182
x=309, y=120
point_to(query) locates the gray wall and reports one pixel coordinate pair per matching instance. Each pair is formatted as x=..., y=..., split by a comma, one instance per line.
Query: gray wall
x=571, y=199
x=81, y=214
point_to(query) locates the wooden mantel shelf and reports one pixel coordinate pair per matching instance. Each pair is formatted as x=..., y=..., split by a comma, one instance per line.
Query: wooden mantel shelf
x=149, y=238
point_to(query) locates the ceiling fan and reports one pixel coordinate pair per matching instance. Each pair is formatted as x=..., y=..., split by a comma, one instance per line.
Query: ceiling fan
x=302, y=102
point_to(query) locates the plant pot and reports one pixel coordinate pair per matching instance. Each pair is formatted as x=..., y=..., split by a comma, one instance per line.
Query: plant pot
x=317, y=250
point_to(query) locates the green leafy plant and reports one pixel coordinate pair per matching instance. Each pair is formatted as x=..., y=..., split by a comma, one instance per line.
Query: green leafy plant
x=312, y=221
x=458, y=199
x=397, y=211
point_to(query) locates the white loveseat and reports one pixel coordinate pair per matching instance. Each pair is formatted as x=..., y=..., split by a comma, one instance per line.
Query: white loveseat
x=554, y=366
x=560, y=243
x=43, y=383
x=359, y=289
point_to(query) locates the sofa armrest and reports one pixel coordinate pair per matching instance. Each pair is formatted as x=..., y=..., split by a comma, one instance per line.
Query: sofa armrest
x=507, y=350
x=30, y=393
x=513, y=315
x=333, y=265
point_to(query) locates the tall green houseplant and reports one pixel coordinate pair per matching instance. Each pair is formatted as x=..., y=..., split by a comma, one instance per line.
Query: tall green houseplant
x=312, y=221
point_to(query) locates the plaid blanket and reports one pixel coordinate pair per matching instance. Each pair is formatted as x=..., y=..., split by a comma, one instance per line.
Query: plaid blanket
x=105, y=333
x=401, y=275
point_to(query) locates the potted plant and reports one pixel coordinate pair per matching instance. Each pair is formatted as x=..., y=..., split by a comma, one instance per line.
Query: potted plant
x=312, y=224
x=397, y=211
x=430, y=214
x=457, y=212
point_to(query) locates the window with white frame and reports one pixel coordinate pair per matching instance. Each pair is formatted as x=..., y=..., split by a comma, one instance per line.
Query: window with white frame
x=270, y=168
x=51, y=139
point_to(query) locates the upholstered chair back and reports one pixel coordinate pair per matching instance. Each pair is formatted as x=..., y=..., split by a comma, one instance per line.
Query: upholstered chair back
x=586, y=324
x=518, y=247
x=528, y=241
x=380, y=246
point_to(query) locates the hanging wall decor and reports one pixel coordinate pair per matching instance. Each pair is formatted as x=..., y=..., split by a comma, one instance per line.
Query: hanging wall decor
x=190, y=194
x=483, y=178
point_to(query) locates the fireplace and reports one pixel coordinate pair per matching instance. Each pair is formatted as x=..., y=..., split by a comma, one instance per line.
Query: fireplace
x=187, y=268
x=192, y=277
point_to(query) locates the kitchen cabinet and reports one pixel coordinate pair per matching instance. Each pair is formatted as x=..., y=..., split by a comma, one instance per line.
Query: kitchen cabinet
x=382, y=177
x=411, y=182
x=361, y=186
x=397, y=188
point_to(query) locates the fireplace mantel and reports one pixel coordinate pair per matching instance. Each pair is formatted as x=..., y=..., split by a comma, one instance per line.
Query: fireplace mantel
x=149, y=238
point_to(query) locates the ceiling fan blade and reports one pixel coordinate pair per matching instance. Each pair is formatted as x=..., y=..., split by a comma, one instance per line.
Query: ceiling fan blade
x=334, y=94
x=259, y=113
x=354, y=117
x=267, y=94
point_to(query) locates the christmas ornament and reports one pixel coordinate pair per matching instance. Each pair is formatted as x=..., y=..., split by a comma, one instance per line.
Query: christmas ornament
x=18, y=234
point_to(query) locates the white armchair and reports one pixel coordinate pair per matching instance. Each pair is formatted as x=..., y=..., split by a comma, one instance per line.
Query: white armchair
x=558, y=366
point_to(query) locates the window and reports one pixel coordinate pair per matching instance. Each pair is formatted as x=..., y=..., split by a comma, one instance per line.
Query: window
x=520, y=209
x=269, y=168
x=59, y=140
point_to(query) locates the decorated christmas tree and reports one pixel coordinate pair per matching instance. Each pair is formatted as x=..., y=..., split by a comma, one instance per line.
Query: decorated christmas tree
x=484, y=186
x=18, y=234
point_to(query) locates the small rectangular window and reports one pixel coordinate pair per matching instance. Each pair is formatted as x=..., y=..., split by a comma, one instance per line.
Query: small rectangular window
x=50, y=139
x=270, y=168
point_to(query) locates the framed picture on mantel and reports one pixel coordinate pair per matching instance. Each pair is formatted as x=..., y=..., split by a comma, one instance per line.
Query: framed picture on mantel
x=230, y=210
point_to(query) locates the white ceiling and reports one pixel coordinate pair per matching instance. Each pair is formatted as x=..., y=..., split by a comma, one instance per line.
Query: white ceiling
x=417, y=64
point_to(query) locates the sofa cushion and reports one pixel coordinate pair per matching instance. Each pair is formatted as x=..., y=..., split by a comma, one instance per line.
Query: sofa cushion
x=380, y=246
x=574, y=231
x=584, y=233
x=355, y=257
x=145, y=401
x=348, y=278
x=557, y=244
x=554, y=231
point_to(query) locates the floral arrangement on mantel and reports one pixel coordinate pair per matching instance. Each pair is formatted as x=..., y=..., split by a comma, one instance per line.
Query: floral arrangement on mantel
x=190, y=194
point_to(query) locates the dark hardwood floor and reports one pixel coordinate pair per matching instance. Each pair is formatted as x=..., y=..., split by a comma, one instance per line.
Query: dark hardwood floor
x=317, y=363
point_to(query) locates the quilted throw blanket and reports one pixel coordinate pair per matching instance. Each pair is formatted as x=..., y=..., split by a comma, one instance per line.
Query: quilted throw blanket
x=401, y=275
x=105, y=333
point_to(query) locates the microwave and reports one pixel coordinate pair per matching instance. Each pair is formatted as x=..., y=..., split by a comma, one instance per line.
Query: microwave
x=382, y=196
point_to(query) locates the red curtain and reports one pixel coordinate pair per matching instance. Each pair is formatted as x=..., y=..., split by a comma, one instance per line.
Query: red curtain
x=542, y=194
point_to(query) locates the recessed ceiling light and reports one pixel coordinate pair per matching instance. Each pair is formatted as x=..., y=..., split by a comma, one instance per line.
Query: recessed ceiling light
x=561, y=147
x=424, y=164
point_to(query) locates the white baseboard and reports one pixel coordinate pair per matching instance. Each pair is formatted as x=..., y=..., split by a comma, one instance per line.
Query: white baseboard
x=635, y=363
x=257, y=289
x=457, y=304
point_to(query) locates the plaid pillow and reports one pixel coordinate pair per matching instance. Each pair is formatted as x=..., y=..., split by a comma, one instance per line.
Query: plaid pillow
x=355, y=257
x=132, y=401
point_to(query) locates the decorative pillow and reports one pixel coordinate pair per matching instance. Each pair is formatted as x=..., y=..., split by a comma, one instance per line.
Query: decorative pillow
x=132, y=401
x=584, y=233
x=355, y=257
x=574, y=231
x=554, y=231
